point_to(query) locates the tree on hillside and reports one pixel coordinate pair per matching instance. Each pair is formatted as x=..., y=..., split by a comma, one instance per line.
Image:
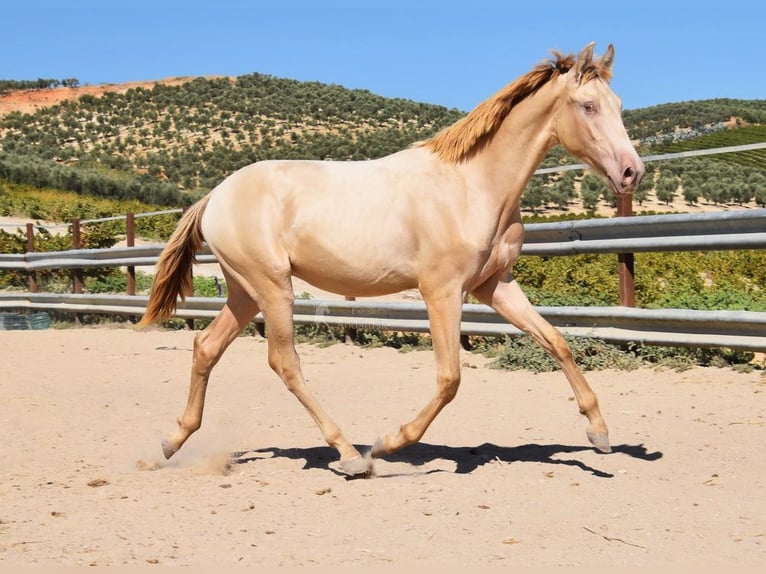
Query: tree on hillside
x=534, y=195
x=714, y=191
x=690, y=192
x=741, y=192
x=666, y=186
x=640, y=194
x=745, y=183
x=757, y=182
x=592, y=187
x=564, y=190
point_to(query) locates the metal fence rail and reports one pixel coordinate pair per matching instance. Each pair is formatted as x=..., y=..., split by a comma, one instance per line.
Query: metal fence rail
x=743, y=229
x=677, y=327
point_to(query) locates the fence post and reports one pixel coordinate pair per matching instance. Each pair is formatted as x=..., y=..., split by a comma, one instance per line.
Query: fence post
x=77, y=281
x=32, y=275
x=625, y=261
x=130, y=236
x=190, y=293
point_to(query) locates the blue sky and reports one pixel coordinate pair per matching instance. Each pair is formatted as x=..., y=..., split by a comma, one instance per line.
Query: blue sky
x=442, y=52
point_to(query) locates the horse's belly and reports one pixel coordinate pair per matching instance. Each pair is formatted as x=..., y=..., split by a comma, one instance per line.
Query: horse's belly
x=354, y=281
x=352, y=259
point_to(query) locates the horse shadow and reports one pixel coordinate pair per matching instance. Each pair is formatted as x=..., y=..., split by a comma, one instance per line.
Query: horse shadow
x=466, y=458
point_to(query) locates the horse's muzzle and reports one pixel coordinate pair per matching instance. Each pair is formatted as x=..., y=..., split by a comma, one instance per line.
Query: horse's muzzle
x=630, y=177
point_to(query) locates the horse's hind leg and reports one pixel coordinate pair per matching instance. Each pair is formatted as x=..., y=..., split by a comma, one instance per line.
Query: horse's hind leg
x=284, y=360
x=209, y=345
x=510, y=302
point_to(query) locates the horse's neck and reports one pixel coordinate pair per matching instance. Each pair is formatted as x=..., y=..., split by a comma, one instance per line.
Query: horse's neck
x=506, y=164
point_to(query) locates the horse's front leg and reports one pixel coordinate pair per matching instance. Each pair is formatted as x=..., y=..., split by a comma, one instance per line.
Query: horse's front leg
x=444, y=315
x=510, y=302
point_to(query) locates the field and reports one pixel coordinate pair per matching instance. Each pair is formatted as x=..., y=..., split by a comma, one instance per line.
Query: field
x=503, y=477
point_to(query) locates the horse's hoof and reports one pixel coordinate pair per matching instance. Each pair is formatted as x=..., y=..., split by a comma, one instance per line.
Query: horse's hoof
x=600, y=440
x=167, y=449
x=359, y=466
x=378, y=450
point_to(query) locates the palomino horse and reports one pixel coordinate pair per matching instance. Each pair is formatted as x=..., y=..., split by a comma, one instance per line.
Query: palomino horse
x=442, y=216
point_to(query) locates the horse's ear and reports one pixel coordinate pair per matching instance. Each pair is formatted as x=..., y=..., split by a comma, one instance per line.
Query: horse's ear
x=584, y=60
x=608, y=58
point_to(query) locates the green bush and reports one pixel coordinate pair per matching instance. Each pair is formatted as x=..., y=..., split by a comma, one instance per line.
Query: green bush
x=523, y=353
x=684, y=280
x=591, y=354
x=589, y=279
x=682, y=358
x=209, y=287
x=52, y=204
x=702, y=280
x=116, y=281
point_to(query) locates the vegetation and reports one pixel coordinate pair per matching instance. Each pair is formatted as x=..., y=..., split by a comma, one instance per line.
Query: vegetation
x=687, y=120
x=522, y=353
x=38, y=84
x=169, y=144
x=685, y=280
x=49, y=204
x=173, y=142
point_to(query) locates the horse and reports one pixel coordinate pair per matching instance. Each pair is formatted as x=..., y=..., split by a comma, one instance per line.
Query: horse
x=442, y=216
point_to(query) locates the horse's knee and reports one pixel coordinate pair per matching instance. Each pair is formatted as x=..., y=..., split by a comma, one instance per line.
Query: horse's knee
x=553, y=342
x=561, y=349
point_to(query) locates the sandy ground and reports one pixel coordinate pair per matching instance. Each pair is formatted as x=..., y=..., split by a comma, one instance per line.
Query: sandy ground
x=503, y=477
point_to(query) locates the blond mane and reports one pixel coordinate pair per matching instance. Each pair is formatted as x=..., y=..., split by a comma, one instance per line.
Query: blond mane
x=473, y=132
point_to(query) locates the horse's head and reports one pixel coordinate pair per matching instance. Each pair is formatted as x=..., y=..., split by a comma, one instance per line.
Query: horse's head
x=589, y=122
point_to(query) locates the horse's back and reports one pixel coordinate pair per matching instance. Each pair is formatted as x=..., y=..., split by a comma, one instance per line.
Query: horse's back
x=347, y=227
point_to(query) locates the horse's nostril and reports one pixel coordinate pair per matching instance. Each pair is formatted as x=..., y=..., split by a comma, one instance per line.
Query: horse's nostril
x=628, y=173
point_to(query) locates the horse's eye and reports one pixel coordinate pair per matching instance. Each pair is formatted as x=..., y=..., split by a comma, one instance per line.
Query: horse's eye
x=589, y=107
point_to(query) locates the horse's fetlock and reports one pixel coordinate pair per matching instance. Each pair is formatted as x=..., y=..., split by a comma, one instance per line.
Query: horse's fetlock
x=588, y=404
x=189, y=426
x=409, y=436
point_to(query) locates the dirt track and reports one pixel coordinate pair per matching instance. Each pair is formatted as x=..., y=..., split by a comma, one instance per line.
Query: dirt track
x=504, y=476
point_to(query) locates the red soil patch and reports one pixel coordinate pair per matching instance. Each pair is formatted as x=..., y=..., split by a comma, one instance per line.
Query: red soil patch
x=29, y=101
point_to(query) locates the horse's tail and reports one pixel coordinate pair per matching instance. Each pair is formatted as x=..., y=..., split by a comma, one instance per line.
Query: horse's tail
x=174, y=278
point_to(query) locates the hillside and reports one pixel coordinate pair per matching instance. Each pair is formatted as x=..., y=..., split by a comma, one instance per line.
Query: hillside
x=169, y=142
x=193, y=134
x=29, y=101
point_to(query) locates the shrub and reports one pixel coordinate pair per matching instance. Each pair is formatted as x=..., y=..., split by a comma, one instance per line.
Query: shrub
x=523, y=353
